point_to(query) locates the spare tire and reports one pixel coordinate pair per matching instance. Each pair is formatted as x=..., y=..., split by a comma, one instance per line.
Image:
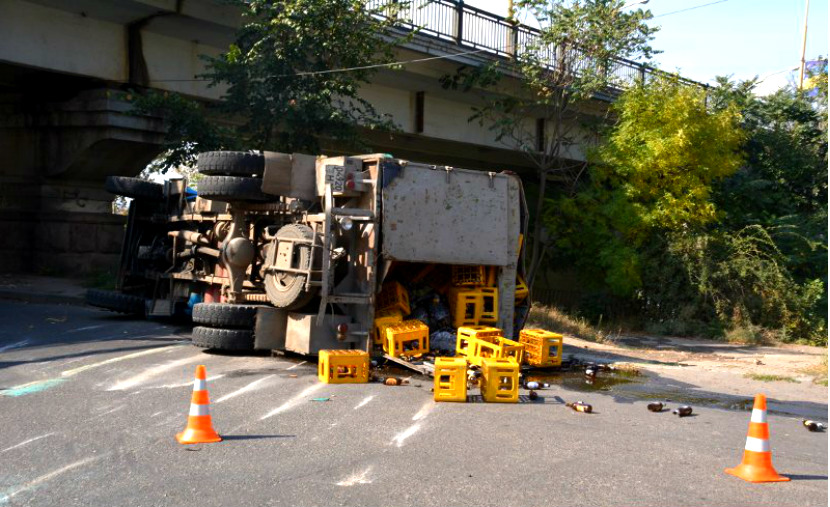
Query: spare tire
x=223, y=339
x=116, y=301
x=232, y=188
x=134, y=188
x=231, y=163
x=287, y=290
x=225, y=315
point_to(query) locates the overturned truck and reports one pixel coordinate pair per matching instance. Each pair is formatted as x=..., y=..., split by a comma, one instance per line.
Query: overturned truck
x=291, y=252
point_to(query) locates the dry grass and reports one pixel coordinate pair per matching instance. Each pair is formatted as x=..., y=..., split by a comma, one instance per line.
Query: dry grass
x=552, y=318
x=818, y=372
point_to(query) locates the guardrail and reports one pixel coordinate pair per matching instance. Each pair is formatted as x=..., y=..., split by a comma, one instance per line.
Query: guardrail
x=469, y=26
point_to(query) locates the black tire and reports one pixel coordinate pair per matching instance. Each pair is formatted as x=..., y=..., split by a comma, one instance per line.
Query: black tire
x=225, y=315
x=231, y=163
x=223, y=339
x=232, y=188
x=135, y=188
x=115, y=301
x=287, y=290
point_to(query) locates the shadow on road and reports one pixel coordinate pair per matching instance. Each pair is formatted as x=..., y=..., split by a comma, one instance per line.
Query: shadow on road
x=254, y=437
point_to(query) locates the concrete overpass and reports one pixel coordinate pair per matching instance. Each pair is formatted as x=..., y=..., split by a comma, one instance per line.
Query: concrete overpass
x=66, y=67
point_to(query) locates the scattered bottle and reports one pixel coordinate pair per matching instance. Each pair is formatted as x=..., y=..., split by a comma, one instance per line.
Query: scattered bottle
x=534, y=396
x=655, y=406
x=580, y=406
x=532, y=385
x=395, y=381
x=814, y=425
x=683, y=411
x=590, y=372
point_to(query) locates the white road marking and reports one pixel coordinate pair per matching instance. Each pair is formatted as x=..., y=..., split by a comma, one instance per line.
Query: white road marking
x=86, y=328
x=189, y=383
x=294, y=401
x=361, y=478
x=80, y=369
x=400, y=437
x=364, y=402
x=14, y=345
x=245, y=389
x=152, y=372
x=21, y=444
x=16, y=490
x=298, y=364
x=425, y=410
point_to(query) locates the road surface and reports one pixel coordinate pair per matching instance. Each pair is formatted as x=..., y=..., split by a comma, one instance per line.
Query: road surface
x=90, y=403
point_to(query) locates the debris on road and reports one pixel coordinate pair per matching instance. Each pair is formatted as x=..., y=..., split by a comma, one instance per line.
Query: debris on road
x=321, y=399
x=683, y=411
x=814, y=425
x=655, y=406
x=580, y=406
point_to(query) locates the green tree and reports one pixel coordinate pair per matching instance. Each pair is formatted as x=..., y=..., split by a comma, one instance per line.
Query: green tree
x=290, y=79
x=653, y=175
x=559, y=74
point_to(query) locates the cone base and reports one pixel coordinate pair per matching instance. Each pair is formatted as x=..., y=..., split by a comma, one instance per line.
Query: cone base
x=751, y=473
x=191, y=436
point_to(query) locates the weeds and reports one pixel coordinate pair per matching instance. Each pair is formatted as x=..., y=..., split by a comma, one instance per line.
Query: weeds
x=770, y=378
x=818, y=372
x=554, y=319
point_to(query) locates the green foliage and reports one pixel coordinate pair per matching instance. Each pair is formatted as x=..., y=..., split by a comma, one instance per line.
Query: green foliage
x=289, y=80
x=557, y=74
x=653, y=175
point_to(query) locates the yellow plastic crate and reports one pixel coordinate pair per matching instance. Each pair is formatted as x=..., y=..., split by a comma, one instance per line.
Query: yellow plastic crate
x=469, y=276
x=466, y=332
x=450, y=379
x=542, y=348
x=492, y=276
x=521, y=289
x=499, y=381
x=384, y=319
x=343, y=367
x=489, y=304
x=409, y=338
x=465, y=307
x=499, y=348
x=510, y=350
x=393, y=296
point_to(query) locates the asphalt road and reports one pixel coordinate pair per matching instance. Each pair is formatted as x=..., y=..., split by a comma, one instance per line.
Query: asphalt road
x=90, y=403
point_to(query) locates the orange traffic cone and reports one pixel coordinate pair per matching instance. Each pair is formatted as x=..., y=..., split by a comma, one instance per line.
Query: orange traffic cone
x=757, y=463
x=199, y=426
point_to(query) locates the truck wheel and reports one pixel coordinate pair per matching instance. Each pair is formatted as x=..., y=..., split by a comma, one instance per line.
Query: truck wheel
x=223, y=339
x=135, y=188
x=115, y=301
x=225, y=315
x=232, y=188
x=231, y=163
x=287, y=290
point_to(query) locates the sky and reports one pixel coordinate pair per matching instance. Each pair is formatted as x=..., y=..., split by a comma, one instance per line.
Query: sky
x=738, y=38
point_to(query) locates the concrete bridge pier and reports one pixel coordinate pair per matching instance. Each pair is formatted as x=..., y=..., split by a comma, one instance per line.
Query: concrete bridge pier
x=55, y=216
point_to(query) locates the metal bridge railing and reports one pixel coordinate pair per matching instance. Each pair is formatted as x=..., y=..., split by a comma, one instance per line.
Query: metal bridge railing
x=468, y=26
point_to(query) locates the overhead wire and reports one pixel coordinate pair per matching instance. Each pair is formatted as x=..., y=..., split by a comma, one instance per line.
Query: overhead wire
x=689, y=9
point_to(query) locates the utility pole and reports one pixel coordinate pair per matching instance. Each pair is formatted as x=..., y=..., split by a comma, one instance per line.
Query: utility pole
x=511, y=10
x=803, y=47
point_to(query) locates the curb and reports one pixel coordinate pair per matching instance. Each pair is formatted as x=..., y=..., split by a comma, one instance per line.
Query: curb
x=41, y=298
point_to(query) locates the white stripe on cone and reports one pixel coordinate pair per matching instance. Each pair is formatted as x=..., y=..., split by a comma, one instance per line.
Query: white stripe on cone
x=757, y=444
x=758, y=416
x=203, y=410
x=200, y=385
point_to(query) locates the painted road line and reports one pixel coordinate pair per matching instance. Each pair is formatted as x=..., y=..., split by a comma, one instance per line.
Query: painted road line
x=21, y=444
x=14, y=345
x=298, y=364
x=402, y=436
x=80, y=369
x=152, y=372
x=32, y=387
x=365, y=401
x=10, y=493
x=357, y=478
x=245, y=389
x=294, y=401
